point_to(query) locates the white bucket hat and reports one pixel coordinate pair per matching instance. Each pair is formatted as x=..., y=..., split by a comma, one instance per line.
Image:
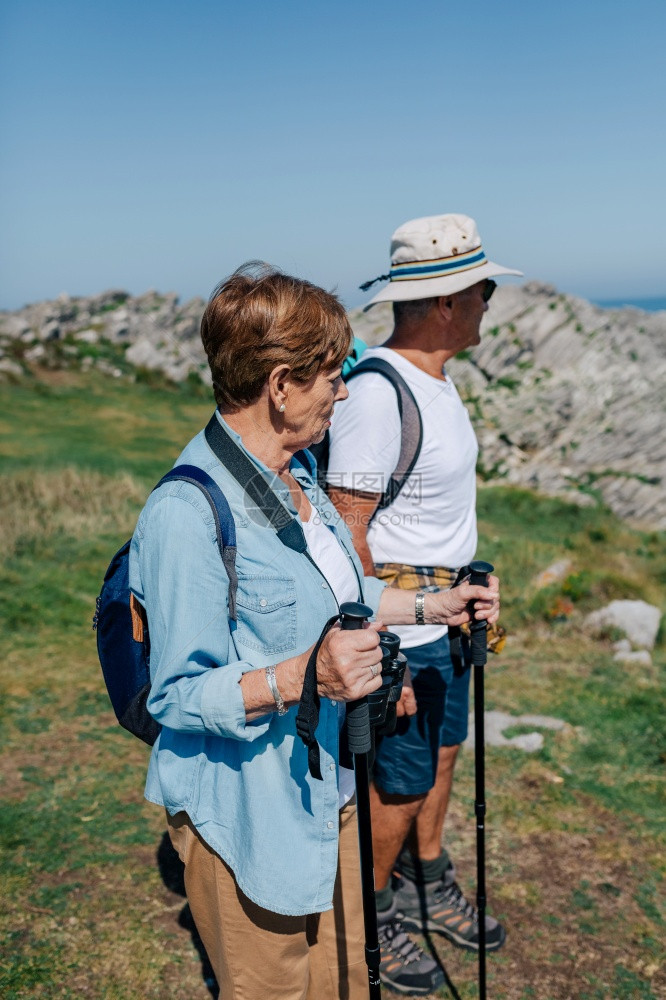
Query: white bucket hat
x=433, y=256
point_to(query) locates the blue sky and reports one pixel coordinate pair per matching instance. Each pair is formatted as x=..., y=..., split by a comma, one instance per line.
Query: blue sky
x=159, y=145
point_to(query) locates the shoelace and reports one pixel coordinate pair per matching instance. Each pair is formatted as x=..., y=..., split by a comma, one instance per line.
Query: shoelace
x=453, y=895
x=394, y=935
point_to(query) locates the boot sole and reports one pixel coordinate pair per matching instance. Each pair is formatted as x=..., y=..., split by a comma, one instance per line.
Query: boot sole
x=460, y=942
x=412, y=991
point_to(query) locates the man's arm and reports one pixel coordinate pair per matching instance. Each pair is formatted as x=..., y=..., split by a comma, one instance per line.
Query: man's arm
x=356, y=510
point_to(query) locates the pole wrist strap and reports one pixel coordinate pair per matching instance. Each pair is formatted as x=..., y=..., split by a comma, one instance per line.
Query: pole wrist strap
x=307, y=718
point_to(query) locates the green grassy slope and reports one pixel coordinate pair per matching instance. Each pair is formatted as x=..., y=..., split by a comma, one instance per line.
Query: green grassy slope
x=574, y=838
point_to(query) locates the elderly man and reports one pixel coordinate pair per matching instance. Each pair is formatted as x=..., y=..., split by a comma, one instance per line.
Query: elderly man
x=440, y=283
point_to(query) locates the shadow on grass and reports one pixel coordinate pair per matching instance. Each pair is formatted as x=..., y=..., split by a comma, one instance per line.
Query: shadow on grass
x=434, y=954
x=172, y=871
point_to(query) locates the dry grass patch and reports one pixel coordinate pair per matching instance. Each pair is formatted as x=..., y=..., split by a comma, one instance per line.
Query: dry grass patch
x=69, y=501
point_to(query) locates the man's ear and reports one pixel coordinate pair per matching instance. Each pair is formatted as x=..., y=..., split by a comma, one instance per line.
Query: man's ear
x=445, y=306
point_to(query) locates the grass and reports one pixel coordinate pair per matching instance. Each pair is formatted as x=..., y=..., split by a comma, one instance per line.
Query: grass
x=91, y=906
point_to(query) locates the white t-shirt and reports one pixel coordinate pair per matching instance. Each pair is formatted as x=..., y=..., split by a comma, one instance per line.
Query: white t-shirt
x=329, y=556
x=432, y=522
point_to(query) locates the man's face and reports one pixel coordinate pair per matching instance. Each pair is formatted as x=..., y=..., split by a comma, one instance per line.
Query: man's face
x=468, y=308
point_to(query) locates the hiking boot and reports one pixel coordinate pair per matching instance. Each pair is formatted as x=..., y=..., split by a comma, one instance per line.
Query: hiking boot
x=404, y=967
x=441, y=907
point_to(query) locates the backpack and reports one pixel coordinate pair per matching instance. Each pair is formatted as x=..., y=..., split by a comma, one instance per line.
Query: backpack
x=354, y=356
x=123, y=641
x=411, y=424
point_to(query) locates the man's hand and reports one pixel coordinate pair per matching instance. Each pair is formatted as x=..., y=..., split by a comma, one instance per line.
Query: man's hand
x=443, y=607
x=407, y=703
x=464, y=603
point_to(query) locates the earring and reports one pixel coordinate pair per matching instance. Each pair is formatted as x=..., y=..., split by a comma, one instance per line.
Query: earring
x=281, y=408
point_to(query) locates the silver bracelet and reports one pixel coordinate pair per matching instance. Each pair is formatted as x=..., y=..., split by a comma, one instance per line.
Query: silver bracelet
x=272, y=683
x=419, y=608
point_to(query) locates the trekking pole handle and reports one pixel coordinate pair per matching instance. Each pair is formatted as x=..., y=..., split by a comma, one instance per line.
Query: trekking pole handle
x=354, y=616
x=478, y=577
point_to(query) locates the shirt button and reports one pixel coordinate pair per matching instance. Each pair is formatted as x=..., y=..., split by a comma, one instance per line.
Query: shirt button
x=331, y=767
x=334, y=704
x=263, y=602
x=330, y=824
x=324, y=586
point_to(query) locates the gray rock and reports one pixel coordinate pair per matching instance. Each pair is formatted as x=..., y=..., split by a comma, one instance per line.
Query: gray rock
x=634, y=656
x=621, y=646
x=11, y=368
x=107, y=368
x=87, y=336
x=144, y=354
x=496, y=722
x=35, y=353
x=50, y=330
x=638, y=620
x=14, y=326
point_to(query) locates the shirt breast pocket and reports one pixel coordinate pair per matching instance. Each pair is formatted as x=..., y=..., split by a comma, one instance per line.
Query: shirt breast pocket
x=266, y=609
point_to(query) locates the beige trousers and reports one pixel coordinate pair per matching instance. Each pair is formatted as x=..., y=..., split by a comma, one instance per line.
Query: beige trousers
x=261, y=955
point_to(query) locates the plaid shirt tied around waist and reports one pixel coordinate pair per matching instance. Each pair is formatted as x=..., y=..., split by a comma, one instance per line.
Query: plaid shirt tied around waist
x=430, y=578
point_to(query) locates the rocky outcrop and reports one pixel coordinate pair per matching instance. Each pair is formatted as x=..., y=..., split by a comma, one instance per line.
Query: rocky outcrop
x=112, y=331
x=566, y=398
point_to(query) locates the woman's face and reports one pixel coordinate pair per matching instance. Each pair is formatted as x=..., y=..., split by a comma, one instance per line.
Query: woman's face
x=309, y=406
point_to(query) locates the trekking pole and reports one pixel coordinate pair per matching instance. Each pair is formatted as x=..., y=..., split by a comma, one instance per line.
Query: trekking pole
x=479, y=650
x=359, y=733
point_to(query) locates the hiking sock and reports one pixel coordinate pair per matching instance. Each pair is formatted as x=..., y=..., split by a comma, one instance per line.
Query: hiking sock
x=418, y=870
x=384, y=898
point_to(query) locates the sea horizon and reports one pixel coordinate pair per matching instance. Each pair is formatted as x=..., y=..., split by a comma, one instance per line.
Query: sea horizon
x=653, y=303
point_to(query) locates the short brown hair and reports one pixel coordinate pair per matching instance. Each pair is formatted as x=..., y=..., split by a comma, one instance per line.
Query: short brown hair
x=259, y=318
x=412, y=310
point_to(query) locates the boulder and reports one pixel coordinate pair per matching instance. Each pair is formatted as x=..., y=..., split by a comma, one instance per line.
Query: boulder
x=87, y=336
x=10, y=368
x=634, y=656
x=496, y=722
x=637, y=619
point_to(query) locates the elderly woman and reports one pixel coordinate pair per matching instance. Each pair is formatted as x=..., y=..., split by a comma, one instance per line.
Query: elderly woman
x=270, y=854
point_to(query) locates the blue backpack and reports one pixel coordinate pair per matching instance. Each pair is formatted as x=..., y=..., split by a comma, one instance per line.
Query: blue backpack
x=123, y=642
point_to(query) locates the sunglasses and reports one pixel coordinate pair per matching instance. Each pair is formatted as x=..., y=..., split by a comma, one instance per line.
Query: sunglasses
x=488, y=289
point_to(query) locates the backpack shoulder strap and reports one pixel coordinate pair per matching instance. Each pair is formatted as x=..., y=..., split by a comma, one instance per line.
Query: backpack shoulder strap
x=234, y=459
x=410, y=419
x=225, y=527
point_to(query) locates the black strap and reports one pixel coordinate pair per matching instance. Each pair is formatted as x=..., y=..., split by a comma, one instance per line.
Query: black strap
x=411, y=424
x=459, y=640
x=253, y=481
x=307, y=718
x=368, y=284
x=290, y=533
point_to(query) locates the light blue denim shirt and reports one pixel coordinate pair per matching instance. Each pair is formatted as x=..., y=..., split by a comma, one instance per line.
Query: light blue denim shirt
x=245, y=785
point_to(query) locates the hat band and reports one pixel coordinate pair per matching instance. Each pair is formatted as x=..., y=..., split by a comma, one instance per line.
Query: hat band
x=415, y=271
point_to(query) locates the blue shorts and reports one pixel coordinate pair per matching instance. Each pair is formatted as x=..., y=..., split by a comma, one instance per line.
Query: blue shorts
x=406, y=760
